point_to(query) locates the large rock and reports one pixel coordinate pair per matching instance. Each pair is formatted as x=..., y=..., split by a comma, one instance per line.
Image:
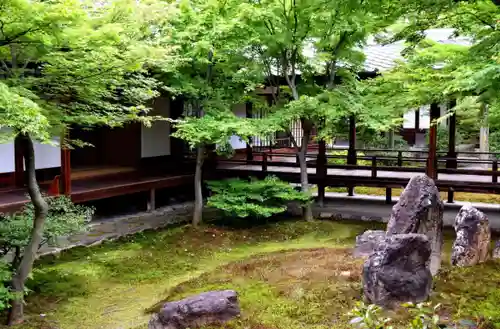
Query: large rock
x=420, y=210
x=397, y=271
x=367, y=242
x=473, y=237
x=209, y=308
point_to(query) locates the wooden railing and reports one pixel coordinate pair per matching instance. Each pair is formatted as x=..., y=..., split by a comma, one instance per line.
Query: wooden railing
x=378, y=162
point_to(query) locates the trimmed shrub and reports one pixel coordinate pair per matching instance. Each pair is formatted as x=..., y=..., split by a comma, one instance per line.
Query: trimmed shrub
x=254, y=198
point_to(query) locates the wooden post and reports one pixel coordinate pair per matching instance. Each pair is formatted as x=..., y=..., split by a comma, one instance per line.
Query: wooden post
x=494, y=177
x=152, y=200
x=374, y=167
x=264, y=162
x=351, y=153
x=431, y=169
x=249, y=151
x=388, y=195
x=452, y=154
x=321, y=171
x=18, y=165
x=65, y=174
x=400, y=158
x=451, y=195
x=65, y=181
x=417, y=124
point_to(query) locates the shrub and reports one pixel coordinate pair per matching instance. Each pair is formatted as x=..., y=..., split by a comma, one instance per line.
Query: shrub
x=494, y=141
x=64, y=218
x=254, y=198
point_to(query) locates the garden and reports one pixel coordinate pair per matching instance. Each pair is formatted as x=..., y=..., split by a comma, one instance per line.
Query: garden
x=88, y=65
x=288, y=273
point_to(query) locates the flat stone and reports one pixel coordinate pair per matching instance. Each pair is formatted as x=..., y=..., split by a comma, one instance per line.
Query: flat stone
x=209, y=308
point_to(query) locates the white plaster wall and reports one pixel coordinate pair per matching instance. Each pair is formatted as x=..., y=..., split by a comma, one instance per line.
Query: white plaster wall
x=6, y=158
x=46, y=156
x=155, y=140
x=235, y=141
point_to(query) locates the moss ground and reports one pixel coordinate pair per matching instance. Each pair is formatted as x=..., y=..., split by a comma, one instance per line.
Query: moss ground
x=289, y=274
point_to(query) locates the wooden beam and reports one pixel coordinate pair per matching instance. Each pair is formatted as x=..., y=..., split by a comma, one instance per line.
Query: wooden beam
x=249, y=151
x=351, y=153
x=431, y=169
x=18, y=165
x=452, y=164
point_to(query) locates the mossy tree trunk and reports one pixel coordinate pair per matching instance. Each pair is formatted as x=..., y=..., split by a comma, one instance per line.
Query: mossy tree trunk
x=16, y=312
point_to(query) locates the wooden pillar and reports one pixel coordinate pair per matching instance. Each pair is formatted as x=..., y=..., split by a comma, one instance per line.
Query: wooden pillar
x=249, y=151
x=417, y=125
x=65, y=187
x=351, y=153
x=321, y=171
x=431, y=169
x=18, y=165
x=452, y=163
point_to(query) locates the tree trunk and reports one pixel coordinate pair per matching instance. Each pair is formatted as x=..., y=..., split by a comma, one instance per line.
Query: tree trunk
x=198, y=194
x=484, y=135
x=304, y=179
x=41, y=208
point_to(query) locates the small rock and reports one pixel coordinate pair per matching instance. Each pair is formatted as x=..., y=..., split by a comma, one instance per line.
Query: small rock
x=420, y=210
x=209, y=308
x=473, y=237
x=367, y=242
x=397, y=271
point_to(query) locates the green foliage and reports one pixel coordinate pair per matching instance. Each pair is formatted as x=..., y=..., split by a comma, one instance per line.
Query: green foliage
x=368, y=317
x=64, y=218
x=5, y=294
x=422, y=316
x=434, y=72
x=254, y=198
x=494, y=142
x=311, y=39
x=443, y=138
x=74, y=62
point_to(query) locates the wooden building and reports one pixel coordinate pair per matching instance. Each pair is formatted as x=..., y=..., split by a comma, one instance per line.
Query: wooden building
x=121, y=161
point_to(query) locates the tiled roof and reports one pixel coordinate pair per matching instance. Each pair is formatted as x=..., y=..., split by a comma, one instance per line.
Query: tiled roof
x=383, y=57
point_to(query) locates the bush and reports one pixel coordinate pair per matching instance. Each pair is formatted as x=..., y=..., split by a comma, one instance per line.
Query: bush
x=494, y=141
x=64, y=218
x=254, y=198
